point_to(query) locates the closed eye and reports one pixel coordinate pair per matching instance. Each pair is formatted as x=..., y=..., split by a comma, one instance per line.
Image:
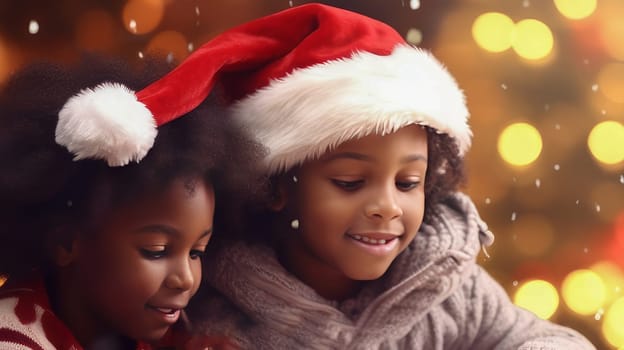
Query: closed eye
x=153, y=254
x=348, y=185
x=407, y=185
x=197, y=253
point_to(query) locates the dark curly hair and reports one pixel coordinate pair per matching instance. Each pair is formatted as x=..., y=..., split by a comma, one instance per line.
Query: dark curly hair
x=445, y=175
x=41, y=187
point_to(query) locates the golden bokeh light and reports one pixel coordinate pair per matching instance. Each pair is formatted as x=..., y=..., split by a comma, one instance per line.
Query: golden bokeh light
x=532, y=39
x=611, y=28
x=5, y=67
x=612, y=324
x=3, y=279
x=611, y=81
x=492, y=31
x=539, y=297
x=169, y=42
x=520, y=144
x=576, y=9
x=606, y=142
x=142, y=16
x=613, y=278
x=584, y=292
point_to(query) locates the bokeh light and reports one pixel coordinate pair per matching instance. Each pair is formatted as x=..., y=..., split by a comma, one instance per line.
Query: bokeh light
x=3, y=279
x=520, y=144
x=613, y=323
x=576, y=9
x=539, y=297
x=612, y=277
x=492, y=31
x=4, y=61
x=142, y=16
x=610, y=81
x=532, y=39
x=606, y=142
x=611, y=28
x=169, y=43
x=584, y=291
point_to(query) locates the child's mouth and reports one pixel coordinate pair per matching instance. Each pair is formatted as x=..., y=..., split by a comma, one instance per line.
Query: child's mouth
x=168, y=314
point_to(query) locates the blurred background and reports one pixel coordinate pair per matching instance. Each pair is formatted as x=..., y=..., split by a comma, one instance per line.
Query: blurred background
x=544, y=81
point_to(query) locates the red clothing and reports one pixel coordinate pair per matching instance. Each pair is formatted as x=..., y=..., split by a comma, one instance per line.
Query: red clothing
x=28, y=322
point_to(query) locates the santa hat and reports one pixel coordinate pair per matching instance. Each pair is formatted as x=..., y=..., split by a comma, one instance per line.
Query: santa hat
x=301, y=81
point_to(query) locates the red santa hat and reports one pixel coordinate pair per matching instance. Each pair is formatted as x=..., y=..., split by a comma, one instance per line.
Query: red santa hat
x=301, y=81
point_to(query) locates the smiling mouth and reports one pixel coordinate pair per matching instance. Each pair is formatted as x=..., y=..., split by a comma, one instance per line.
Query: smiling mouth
x=374, y=239
x=166, y=311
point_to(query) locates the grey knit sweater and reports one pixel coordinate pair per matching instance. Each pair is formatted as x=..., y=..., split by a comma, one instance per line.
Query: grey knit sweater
x=434, y=296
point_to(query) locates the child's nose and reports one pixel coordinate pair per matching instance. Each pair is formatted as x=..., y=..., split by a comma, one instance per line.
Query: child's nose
x=181, y=275
x=383, y=204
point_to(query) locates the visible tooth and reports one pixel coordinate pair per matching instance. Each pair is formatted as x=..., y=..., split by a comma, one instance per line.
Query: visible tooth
x=382, y=241
x=365, y=239
x=373, y=241
x=358, y=237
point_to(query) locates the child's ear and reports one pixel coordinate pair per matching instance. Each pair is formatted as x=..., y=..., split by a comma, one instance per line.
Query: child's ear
x=63, y=246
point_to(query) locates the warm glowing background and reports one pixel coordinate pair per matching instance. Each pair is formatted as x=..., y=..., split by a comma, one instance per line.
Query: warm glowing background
x=544, y=81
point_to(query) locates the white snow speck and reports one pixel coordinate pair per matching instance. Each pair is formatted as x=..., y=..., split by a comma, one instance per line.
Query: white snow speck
x=538, y=183
x=513, y=216
x=594, y=87
x=414, y=4
x=132, y=25
x=33, y=27
x=556, y=167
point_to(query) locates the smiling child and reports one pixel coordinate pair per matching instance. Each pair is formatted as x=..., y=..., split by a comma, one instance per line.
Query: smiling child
x=103, y=251
x=365, y=241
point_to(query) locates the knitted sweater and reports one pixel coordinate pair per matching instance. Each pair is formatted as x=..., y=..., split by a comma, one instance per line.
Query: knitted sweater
x=28, y=323
x=434, y=296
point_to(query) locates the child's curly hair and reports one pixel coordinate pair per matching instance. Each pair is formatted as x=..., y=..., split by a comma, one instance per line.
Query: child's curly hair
x=42, y=188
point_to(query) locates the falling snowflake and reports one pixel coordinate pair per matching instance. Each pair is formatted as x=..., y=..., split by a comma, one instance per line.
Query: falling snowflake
x=603, y=112
x=577, y=202
x=585, y=250
x=290, y=3
x=622, y=179
x=504, y=86
x=586, y=61
x=488, y=200
x=197, y=10
x=33, y=27
x=132, y=25
x=599, y=314
x=594, y=87
x=514, y=283
x=140, y=54
x=526, y=3
x=556, y=167
x=538, y=183
x=513, y=216
x=414, y=36
x=414, y=4
x=190, y=47
x=557, y=127
x=597, y=208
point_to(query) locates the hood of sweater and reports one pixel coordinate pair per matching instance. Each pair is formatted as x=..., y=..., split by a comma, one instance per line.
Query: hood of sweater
x=421, y=277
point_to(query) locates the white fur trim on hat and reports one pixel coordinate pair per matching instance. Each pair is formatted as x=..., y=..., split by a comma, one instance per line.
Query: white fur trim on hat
x=106, y=122
x=314, y=109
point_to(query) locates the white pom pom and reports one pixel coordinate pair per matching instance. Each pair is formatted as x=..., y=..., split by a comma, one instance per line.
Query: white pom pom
x=106, y=122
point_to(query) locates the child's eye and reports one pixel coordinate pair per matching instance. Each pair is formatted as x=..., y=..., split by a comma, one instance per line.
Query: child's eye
x=407, y=185
x=153, y=253
x=197, y=253
x=348, y=185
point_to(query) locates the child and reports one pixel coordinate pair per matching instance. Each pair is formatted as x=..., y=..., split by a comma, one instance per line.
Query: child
x=367, y=243
x=102, y=254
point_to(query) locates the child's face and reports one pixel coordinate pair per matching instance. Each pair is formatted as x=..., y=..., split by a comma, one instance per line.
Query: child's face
x=359, y=205
x=143, y=266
